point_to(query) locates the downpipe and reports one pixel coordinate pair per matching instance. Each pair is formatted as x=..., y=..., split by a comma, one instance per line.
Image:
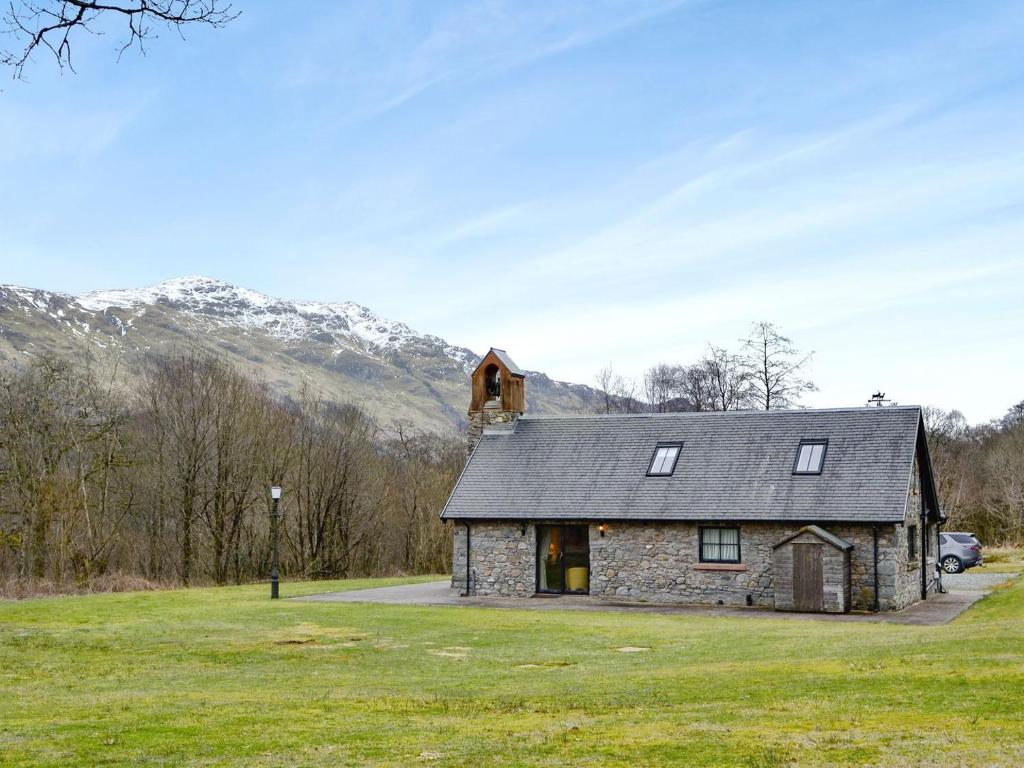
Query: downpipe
x=466, y=592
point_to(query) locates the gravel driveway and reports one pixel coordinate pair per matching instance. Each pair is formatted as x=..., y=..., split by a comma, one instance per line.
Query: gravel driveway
x=975, y=580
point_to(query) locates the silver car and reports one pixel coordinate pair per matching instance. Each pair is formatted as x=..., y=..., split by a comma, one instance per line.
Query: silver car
x=958, y=551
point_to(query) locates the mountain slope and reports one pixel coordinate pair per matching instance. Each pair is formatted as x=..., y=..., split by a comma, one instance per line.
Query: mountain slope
x=343, y=349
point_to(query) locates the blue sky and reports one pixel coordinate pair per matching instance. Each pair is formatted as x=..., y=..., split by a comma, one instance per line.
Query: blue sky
x=578, y=183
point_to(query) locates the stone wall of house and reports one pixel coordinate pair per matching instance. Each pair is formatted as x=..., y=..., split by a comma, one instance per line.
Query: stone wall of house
x=659, y=562
x=502, y=559
x=459, y=556
x=862, y=565
x=908, y=571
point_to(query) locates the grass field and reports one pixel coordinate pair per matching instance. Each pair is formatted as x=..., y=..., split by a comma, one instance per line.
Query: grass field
x=224, y=677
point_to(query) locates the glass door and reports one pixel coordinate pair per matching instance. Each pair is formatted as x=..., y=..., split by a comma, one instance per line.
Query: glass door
x=563, y=559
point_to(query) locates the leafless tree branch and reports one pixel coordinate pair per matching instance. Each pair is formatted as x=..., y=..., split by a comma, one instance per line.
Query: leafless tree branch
x=50, y=24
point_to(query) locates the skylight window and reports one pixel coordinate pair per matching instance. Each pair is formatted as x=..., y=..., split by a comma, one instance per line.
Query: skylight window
x=663, y=463
x=810, y=457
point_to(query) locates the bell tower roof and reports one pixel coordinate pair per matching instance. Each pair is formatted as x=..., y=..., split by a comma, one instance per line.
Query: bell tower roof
x=505, y=360
x=498, y=383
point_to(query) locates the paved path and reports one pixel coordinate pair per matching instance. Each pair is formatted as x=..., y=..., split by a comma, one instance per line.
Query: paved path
x=975, y=580
x=939, y=609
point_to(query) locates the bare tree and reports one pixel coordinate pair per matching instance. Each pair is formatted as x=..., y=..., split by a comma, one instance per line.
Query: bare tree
x=663, y=384
x=1014, y=415
x=694, y=389
x=102, y=465
x=617, y=394
x=179, y=391
x=423, y=469
x=338, y=496
x=50, y=25
x=775, y=368
x=952, y=455
x=606, y=379
x=41, y=429
x=1003, y=493
x=727, y=379
x=63, y=449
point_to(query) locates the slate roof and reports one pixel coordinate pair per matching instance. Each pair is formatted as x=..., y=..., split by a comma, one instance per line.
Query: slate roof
x=736, y=465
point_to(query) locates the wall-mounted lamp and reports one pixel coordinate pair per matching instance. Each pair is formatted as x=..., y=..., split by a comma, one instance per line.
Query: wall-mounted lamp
x=602, y=529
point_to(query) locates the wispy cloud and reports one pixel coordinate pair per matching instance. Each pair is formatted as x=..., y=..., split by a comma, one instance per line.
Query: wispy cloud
x=59, y=132
x=468, y=43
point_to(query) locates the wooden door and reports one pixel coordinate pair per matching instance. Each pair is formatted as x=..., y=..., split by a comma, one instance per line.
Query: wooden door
x=808, y=590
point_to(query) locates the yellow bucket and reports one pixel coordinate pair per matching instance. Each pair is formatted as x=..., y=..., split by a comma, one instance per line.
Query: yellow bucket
x=577, y=578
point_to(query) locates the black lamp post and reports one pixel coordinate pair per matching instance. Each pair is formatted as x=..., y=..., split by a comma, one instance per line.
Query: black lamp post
x=275, y=518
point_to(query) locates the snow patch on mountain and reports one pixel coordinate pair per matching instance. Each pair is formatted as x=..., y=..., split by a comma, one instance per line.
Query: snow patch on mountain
x=348, y=324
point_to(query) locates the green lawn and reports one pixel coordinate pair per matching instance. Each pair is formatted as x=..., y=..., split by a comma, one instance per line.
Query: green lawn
x=225, y=677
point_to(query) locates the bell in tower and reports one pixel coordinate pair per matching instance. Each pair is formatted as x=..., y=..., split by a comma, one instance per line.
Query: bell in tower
x=492, y=377
x=498, y=396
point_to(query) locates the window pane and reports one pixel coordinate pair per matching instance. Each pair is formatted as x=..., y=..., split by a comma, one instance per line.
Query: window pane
x=729, y=535
x=666, y=459
x=730, y=552
x=712, y=551
x=656, y=462
x=670, y=458
x=659, y=461
x=817, y=452
x=804, y=459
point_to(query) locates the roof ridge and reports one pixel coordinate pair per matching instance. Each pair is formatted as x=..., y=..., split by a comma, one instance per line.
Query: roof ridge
x=712, y=414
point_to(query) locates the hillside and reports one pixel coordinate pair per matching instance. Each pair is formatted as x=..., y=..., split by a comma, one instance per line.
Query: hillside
x=345, y=350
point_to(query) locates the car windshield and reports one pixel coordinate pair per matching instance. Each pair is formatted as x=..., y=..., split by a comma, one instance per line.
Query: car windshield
x=963, y=538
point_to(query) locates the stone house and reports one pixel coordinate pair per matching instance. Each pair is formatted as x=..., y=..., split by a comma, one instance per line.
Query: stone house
x=820, y=510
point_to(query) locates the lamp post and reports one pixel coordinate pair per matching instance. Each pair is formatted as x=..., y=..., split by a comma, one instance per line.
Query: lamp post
x=275, y=518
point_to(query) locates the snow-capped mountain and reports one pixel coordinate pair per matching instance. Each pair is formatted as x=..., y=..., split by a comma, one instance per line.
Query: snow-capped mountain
x=344, y=349
x=353, y=325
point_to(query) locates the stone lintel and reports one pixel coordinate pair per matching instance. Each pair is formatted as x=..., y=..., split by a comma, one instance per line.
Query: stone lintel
x=719, y=567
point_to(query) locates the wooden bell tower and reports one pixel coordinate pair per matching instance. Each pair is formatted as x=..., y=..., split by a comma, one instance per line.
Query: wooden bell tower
x=498, y=395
